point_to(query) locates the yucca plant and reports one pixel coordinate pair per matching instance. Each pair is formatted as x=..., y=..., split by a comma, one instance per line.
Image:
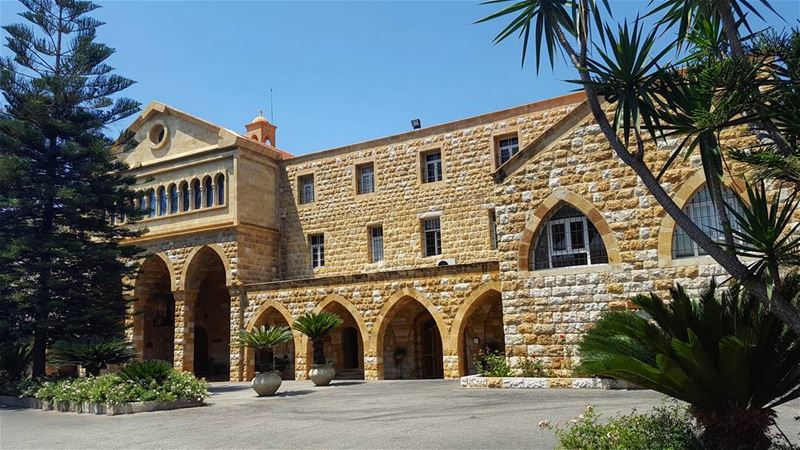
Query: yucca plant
x=264, y=338
x=316, y=326
x=93, y=354
x=145, y=371
x=724, y=354
x=15, y=360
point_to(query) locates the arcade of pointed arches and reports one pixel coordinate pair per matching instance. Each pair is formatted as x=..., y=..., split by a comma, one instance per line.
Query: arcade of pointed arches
x=409, y=340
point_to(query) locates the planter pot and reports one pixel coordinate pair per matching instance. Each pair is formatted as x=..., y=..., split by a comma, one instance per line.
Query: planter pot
x=321, y=374
x=266, y=383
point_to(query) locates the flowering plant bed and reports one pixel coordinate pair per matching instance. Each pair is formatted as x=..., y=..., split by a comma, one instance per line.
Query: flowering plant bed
x=478, y=381
x=138, y=387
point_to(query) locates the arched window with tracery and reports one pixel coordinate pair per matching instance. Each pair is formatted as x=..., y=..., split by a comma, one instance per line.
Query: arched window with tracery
x=197, y=193
x=702, y=212
x=209, y=187
x=220, y=189
x=567, y=239
x=185, y=196
x=162, y=201
x=173, y=199
x=151, y=203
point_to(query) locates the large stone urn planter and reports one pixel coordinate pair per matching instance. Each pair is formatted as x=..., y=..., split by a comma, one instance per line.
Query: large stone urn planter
x=266, y=383
x=321, y=374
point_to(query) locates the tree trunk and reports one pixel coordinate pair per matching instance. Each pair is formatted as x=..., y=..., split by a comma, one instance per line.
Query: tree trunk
x=319, y=351
x=744, y=429
x=39, y=353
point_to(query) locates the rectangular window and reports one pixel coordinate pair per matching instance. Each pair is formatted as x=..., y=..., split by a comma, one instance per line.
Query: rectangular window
x=492, y=229
x=431, y=166
x=366, y=178
x=376, y=243
x=317, y=250
x=305, y=187
x=506, y=148
x=433, y=236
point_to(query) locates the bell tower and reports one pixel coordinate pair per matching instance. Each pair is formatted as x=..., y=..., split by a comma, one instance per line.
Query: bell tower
x=259, y=129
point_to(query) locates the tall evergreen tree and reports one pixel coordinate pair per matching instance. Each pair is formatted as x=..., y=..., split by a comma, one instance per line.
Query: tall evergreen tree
x=61, y=258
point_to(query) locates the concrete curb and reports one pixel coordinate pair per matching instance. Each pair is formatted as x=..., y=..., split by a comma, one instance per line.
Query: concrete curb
x=109, y=409
x=477, y=381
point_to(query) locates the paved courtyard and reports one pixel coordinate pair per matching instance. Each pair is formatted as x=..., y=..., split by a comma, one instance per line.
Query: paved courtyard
x=350, y=414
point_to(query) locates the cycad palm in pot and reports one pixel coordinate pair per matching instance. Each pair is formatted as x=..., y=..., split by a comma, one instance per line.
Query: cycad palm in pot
x=316, y=326
x=264, y=338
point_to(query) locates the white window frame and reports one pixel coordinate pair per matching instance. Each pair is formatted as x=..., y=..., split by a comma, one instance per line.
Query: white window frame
x=317, y=251
x=511, y=147
x=304, y=195
x=569, y=249
x=437, y=237
x=432, y=167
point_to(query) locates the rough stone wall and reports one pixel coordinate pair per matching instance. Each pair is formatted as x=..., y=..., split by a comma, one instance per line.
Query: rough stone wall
x=545, y=312
x=442, y=291
x=463, y=199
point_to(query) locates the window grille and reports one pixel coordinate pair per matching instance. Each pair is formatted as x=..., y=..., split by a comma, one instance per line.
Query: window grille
x=376, y=243
x=433, y=237
x=366, y=179
x=702, y=212
x=493, y=229
x=317, y=250
x=567, y=239
x=306, y=189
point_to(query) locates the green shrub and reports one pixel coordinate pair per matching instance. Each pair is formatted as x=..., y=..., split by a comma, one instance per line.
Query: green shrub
x=15, y=360
x=725, y=354
x=112, y=388
x=492, y=364
x=532, y=368
x=664, y=428
x=145, y=371
x=93, y=354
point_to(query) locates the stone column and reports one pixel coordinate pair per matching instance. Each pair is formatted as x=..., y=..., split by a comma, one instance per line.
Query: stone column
x=371, y=360
x=237, y=353
x=184, y=329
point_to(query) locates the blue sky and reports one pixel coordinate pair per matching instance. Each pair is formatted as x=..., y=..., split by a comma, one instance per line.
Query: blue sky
x=341, y=72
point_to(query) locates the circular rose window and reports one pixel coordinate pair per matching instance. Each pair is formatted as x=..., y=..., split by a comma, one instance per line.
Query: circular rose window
x=158, y=135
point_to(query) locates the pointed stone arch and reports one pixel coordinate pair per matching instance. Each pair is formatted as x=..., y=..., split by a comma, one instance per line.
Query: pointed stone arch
x=549, y=204
x=263, y=309
x=476, y=298
x=222, y=256
x=682, y=196
x=351, y=308
x=388, y=313
x=153, y=309
x=170, y=267
x=360, y=325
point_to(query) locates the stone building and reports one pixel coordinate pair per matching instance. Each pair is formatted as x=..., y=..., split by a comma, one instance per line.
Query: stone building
x=510, y=231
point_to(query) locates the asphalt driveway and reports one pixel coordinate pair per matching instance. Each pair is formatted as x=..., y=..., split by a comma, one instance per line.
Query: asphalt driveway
x=348, y=414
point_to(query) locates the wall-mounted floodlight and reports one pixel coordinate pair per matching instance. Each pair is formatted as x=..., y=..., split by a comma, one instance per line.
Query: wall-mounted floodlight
x=416, y=124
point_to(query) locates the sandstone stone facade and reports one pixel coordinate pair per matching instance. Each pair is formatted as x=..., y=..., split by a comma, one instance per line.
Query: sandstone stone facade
x=246, y=259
